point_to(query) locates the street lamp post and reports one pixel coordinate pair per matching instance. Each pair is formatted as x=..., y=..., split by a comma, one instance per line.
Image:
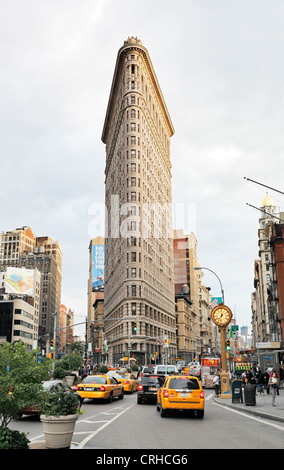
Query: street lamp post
x=225, y=382
x=222, y=291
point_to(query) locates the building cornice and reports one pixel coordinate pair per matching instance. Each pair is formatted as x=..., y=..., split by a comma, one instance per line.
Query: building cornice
x=118, y=68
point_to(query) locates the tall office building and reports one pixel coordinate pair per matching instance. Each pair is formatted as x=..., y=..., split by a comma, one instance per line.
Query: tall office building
x=21, y=248
x=139, y=281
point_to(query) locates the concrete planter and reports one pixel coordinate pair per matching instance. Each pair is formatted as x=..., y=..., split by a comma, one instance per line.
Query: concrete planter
x=58, y=430
x=69, y=379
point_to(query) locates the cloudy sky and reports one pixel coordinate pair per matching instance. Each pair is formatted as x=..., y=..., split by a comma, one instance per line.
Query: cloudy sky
x=221, y=71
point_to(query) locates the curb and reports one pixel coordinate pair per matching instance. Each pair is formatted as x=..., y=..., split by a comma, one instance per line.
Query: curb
x=251, y=410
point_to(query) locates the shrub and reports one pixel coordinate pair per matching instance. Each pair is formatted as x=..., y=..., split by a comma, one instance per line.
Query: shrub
x=21, y=379
x=60, y=404
x=103, y=369
x=13, y=439
x=59, y=373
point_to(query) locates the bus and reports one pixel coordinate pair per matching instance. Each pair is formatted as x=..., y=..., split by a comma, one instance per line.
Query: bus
x=209, y=365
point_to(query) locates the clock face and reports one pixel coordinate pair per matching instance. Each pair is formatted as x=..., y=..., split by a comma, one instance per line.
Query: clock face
x=221, y=315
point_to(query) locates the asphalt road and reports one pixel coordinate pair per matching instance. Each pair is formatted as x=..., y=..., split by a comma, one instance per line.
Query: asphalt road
x=123, y=424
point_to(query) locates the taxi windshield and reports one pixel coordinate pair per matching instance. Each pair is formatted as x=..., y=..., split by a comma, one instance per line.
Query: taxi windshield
x=183, y=383
x=95, y=380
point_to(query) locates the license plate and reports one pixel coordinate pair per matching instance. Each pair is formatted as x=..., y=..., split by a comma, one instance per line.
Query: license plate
x=89, y=389
x=152, y=388
x=183, y=394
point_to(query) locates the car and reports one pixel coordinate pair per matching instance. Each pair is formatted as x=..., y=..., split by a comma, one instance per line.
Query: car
x=129, y=382
x=147, y=370
x=148, y=387
x=162, y=369
x=100, y=386
x=195, y=371
x=181, y=392
x=50, y=386
x=180, y=365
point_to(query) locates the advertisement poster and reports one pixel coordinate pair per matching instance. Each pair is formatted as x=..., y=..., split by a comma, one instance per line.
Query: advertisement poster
x=98, y=266
x=19, y=281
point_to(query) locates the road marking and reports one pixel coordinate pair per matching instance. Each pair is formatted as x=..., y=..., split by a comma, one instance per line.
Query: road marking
x=103, y=426
x=252, y=417
x=209, y=396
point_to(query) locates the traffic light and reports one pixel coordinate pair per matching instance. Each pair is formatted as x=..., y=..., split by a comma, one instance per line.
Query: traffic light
x=228, y=345
x=134, y=326
x=51, y=344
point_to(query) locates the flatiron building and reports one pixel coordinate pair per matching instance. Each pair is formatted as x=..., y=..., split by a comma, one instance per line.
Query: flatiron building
x=139, y=301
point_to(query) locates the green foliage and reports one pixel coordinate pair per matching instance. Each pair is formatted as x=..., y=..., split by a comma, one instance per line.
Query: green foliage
x=60, y=404
x=68, y=364
x=134, y=367
x=21, y=379
x=79, y=347
x=103, y=369
x=59, y=373
x=13, y=439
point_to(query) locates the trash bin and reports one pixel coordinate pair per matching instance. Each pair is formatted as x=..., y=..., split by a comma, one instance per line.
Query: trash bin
x=249, y=394
x=237, y=392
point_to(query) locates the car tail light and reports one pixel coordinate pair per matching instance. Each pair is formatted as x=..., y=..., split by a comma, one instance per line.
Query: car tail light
x=202, y=394
x=127, y=382
x=141, y=375
x=165, y=393
x=140, y=387
x=76, y=387
x=102, y=388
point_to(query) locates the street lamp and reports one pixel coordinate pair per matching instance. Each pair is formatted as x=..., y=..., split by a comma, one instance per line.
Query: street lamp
x=222, y=291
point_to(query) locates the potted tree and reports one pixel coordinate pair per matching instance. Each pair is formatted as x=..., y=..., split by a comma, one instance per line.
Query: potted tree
x=21, y=376
x=69, y=364
x=60, y=411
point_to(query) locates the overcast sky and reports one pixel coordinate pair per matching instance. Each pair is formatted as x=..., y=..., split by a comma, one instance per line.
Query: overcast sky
x=221, y=71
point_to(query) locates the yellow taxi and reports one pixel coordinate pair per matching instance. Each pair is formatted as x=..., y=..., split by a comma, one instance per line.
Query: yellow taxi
x=129, y=382
x=100, y=386
x=181, y=392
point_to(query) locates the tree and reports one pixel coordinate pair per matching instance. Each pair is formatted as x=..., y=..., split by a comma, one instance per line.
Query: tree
x=21, y=377
x=69, y=363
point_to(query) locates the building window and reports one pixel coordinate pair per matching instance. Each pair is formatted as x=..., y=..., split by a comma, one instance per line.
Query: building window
x=132, y=99
x=133, y=153
x=133, y=308
x=133, y=114
x=133, y=140
x=133, y=272
x=133, y=290
x=133, y=196
x=133, y=256
x=133, y=126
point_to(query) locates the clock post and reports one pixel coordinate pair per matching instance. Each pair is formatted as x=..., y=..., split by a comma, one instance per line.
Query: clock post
x=221, y=316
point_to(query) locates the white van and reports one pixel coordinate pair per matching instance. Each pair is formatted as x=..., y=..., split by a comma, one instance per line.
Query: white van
x=161, y=369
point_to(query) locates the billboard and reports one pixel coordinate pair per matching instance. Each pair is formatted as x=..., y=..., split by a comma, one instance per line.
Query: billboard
x=215, y=301
x=20, y=281
x=98, y=266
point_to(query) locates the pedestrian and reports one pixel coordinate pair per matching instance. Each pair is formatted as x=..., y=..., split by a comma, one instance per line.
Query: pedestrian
x=277, y=375
x=216, y=382
x=273, y=382
x=266, y=376
x=281, y=375
x=251, y=376
x=81, y=372
x=261, y=383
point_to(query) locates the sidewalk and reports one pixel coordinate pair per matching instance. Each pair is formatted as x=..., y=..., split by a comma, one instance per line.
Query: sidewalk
x=262, y=408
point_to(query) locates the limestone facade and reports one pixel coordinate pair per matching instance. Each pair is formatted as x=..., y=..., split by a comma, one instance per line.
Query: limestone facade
x=139, y=284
